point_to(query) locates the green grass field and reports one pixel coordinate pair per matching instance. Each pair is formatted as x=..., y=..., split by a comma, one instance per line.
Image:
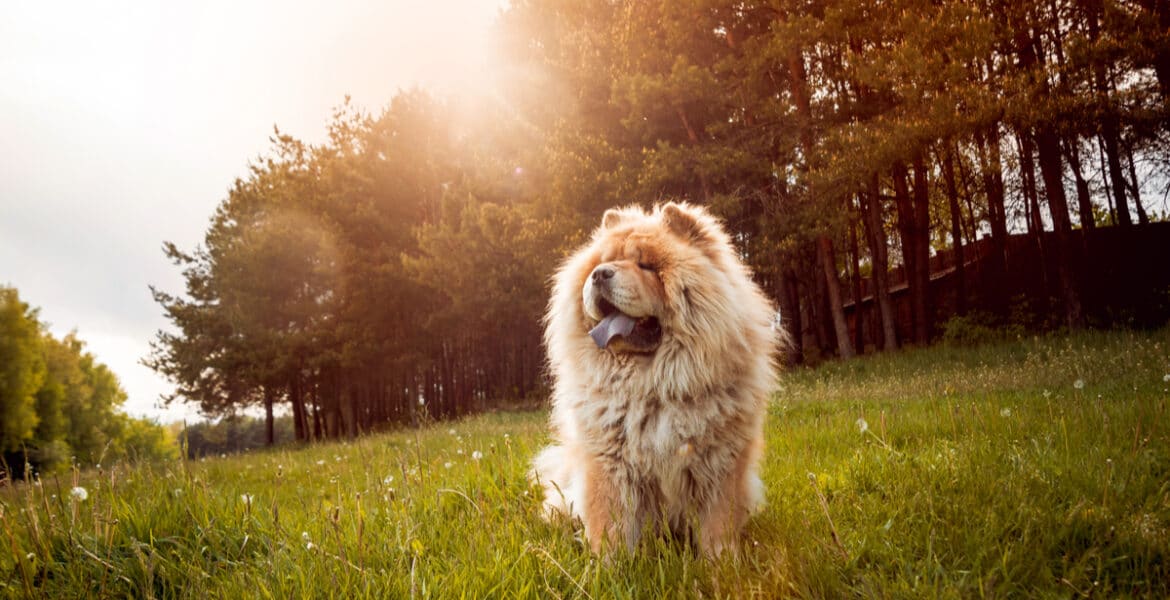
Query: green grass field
x=1032, y=468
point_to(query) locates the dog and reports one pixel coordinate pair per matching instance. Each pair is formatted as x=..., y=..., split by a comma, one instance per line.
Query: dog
x=662, y=351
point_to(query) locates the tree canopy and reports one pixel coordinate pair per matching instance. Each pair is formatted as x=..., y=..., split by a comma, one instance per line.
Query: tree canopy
x=58, y=405
x=856, y=149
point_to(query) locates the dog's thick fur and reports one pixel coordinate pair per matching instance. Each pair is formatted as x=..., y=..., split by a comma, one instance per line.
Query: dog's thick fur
x=670, y=434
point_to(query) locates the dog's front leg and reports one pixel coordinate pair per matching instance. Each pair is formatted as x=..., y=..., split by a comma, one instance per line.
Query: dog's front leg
x=612, y=509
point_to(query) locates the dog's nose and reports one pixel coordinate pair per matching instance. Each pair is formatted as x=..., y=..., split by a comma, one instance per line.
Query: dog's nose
x=602, y=273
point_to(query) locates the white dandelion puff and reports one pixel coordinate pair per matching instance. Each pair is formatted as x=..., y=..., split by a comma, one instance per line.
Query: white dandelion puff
x=862, y=426
x=177, y=492
x=246, y=499
x=1005, y=412
x=422, y=401
x=320, y=463
x=459, y=451
x=305, y=535
x=1166, y=378
x=448, y=465
x=477, y=455
x=79, y=494
x=387, y=480
x=451, y=432
x=1079, y=384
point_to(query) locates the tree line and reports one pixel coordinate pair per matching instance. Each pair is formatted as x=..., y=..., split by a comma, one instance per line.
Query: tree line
x=398, y=269
x=58, y=405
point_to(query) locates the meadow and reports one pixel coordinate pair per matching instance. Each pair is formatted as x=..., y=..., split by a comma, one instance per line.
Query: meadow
x=1031, y=467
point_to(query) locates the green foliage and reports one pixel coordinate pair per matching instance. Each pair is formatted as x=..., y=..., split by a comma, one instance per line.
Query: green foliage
x=1031, y=468
x=978, y=328
x=60, y=406
x=22, y=370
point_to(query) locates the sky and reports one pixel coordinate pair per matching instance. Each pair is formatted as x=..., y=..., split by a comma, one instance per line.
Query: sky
x=123, y=125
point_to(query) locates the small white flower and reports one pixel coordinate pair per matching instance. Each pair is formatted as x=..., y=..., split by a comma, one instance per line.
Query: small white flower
x=448, y=465
x=309, y=546
x=1079, y=384
x=506, y=436
x=320, y=462
x=305, y=535
x=1005, y=412
x=30, y=556
x=862, y=426
x=459, y=451
x=387, y=480
x=1047, y=394
x=1166, y=378
x=79, y=494
x=422, y=401
x=336, y=458
x=178, y=492
x=477, y=455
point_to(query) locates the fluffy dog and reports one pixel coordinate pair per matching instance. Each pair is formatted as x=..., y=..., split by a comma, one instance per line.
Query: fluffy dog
x=662, y=349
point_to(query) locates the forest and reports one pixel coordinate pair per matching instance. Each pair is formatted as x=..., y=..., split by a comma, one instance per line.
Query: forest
x=59, y=405
x=398, y=271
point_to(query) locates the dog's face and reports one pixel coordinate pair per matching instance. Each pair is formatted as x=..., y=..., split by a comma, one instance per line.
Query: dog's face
x=636, y=285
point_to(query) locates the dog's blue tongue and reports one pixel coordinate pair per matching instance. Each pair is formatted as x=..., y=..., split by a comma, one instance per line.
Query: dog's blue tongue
x=610, y=327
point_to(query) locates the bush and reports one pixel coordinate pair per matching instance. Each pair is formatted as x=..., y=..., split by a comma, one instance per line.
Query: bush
x=978, y=328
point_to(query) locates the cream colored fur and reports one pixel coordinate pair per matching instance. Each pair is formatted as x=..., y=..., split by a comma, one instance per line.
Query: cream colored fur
x=674, y=437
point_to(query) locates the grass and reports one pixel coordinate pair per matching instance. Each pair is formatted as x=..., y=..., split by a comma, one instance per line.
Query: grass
x=1039, y=467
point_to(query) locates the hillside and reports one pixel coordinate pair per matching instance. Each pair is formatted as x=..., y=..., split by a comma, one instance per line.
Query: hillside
x=1030, y=467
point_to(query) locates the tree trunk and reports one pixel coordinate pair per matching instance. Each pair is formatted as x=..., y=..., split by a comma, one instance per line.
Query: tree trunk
x=1135, y=188
x=920, y=292
x=948, y=166
x=269, y=426
x=298, y=406
x=875, y=235
x=789, y=301
x=1084, y=198
x=1048, y=147
x=833, y=290
x=855, y=276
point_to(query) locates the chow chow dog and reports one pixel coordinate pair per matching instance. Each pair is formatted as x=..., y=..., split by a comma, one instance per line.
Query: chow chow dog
x=662, y=352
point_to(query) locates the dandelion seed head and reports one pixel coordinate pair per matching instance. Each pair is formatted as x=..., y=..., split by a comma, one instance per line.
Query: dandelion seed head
x=477, y=455
x=448, y=465
x=422, y=401
x=79, y=494
x=862, y=426
x=1005, y=412
x=246, y=499
x=387, y=480
x=451, y=431
x=177, y=492
x=1079, y=384
x=320, y=462
x=1166, y=378
x=305, y=535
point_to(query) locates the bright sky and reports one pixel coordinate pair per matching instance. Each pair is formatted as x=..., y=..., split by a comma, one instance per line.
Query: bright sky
x=123, y=124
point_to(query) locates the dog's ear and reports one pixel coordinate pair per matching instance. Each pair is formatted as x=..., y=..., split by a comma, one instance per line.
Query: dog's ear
x=682, y=222
x=611, y=218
